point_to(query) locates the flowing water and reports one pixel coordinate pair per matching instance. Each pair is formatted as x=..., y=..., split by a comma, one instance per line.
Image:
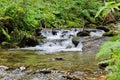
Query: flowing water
x=61, y=40
x=55, y=58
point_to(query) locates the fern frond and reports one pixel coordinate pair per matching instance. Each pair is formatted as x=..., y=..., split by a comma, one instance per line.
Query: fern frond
x=6, y=34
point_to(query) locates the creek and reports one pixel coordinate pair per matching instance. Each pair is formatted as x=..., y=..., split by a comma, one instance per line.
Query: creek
x=61, y=55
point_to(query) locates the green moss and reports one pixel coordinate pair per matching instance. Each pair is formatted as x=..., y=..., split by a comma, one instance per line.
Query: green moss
x=110, y=33
x=91, y=26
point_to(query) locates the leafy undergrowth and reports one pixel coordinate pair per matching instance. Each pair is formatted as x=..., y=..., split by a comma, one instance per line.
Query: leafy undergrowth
x=111, y=49
x=21, y=17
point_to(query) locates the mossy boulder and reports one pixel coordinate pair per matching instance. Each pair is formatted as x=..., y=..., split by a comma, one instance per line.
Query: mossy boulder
x=108, y=28
x=110, y=33
x=83, y=33
x=27, y=41
x=103, y=28
x=91, y=26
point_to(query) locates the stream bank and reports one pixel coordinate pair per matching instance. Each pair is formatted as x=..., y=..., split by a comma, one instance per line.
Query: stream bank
x=57, y=57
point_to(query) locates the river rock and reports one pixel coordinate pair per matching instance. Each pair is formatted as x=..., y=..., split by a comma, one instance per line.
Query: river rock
x=43, y=71
x=54, y=32
x=28, y=41
x=83, y=33
x=103, y=28
x=59, y=58
x=70, y=77
x=75, y=41
x=3, y=68
x=103, y=65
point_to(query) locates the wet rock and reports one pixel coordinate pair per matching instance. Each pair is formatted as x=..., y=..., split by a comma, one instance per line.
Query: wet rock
x=67, y=77
x=70, y=77
x=103, y=28
x=28, y=41
x=64, y=32
x=3, y=68
x=43, y=71
x=38, y=32
x=59, y=58
x=103, y=65
x=75, y=41
x=83, y=33
x=54, y=32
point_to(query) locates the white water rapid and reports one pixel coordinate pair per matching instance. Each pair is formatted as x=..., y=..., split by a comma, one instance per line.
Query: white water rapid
x=60, y=40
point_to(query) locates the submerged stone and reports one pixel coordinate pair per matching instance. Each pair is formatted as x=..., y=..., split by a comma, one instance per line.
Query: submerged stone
x=59, y=58
x=43, y=71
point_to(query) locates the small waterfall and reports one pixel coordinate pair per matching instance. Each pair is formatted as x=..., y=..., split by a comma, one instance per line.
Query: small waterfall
x=98, y=33
x=60, y=40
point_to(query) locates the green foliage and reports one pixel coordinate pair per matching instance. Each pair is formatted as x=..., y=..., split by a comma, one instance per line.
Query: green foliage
x=111, y=49
x=27, y=15
x=6, y=34
x=108, y=48
x=107, y=8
